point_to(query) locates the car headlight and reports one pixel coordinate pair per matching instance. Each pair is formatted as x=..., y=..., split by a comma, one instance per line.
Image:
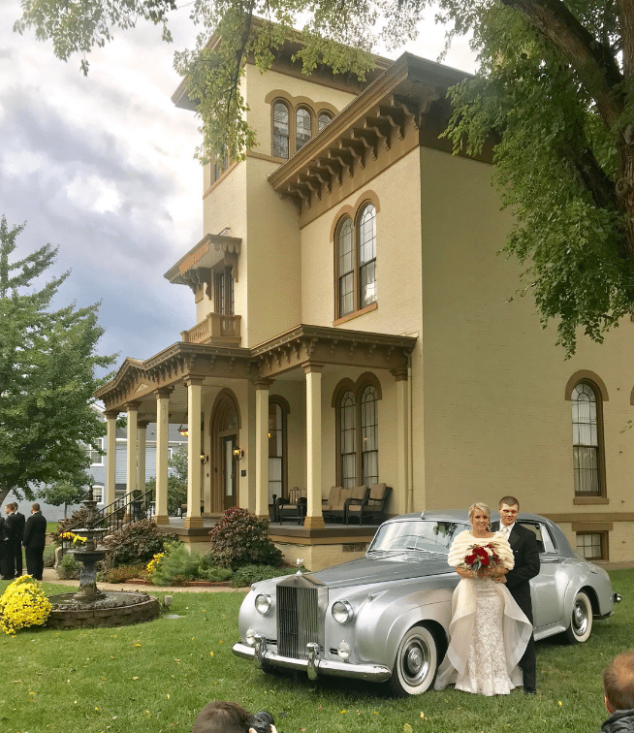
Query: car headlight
x=342, y=612
x=263, y=604
x=250, y=637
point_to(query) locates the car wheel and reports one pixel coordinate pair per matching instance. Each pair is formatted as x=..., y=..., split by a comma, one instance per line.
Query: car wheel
x=416, y=663
x=580, y=619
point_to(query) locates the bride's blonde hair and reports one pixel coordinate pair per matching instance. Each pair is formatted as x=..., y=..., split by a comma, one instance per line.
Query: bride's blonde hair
x=478, y=506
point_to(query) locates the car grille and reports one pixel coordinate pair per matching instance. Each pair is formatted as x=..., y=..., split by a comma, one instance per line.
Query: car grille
x=297, y=620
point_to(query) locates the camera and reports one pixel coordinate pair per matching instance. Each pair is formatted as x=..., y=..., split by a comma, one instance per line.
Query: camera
x=262, y=721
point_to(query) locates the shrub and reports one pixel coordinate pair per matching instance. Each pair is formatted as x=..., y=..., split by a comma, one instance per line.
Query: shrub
x=67, y=568
x=240, y=538
x=122, y=573
x=49, y=556
x=135, y=543
x=176, y=565
x=249, y=574
x=23, y=604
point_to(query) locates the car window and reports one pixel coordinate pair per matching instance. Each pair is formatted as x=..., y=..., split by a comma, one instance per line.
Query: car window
x=544, y=540
x=416, y=536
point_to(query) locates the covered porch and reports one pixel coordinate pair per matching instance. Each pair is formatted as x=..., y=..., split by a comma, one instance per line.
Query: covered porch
x=223, y=396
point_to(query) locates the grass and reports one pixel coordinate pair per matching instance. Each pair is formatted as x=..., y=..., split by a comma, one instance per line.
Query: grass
x=156, y=677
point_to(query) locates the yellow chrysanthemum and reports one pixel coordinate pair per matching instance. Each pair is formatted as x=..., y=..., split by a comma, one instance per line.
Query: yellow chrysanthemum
x=23, y=604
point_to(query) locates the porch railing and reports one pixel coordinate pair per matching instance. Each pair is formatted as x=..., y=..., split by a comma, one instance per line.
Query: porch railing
x=216, y=328
x=113, y=516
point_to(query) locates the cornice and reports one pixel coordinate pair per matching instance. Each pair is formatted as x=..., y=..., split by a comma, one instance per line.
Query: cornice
x=298, y=347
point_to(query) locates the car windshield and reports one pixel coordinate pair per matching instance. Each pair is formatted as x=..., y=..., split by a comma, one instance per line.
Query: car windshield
x=421, y=536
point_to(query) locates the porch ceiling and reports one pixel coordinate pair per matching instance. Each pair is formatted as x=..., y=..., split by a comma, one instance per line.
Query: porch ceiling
x=284, y=356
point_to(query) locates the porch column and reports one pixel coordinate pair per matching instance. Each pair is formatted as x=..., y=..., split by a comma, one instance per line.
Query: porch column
x=111, y=455
x=133, y=449
x=141, y=441
x=402, y=498
x=162, y=455
x=194, y=405
x=314, y=517
x=262, y=448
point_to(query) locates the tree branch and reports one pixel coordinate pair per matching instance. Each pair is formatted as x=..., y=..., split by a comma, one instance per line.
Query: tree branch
x=594, y=61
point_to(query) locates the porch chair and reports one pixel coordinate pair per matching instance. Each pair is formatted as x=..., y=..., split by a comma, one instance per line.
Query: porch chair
x=373, y=508
x=292, y=507
x=335, y=506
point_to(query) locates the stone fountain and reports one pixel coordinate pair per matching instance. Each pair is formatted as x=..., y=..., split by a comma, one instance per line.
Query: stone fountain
x=91, y=607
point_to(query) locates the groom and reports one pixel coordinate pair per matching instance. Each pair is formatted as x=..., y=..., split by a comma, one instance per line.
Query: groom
x=526, y=553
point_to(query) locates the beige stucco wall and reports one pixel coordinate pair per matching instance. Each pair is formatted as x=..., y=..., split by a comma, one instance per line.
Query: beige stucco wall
x=399, y=299
x=495, y=415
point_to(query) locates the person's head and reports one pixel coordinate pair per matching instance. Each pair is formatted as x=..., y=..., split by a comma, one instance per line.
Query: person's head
x=479, y=515
x=509, y=508
x=618, y=683
x=222, y=717
x=14, y=506
x=35, y=507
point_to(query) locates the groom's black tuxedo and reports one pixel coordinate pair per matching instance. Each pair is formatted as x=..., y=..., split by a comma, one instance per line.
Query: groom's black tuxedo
x=526, y=553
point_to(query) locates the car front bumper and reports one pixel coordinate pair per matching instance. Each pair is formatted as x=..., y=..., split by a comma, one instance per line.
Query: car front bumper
x=313, y=665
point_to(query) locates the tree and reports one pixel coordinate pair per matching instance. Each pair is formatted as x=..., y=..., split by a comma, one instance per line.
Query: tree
x=555, y=88
x=176, y=482
x=47, y=376
x=63, y=492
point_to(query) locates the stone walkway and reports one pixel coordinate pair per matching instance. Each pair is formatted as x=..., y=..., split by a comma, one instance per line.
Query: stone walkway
x=50, y=576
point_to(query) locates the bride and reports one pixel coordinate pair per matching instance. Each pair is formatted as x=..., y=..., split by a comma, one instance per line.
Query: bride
x=488, y=631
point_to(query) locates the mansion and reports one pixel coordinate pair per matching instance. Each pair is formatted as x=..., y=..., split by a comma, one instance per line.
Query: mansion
x=354, y=326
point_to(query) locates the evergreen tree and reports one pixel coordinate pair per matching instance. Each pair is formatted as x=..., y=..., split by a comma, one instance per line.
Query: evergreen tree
x=47, y=376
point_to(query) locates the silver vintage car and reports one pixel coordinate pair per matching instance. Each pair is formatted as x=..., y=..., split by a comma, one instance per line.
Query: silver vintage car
x=384, y=617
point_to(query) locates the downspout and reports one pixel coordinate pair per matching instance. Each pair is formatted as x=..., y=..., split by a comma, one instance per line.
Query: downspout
x=410, y=449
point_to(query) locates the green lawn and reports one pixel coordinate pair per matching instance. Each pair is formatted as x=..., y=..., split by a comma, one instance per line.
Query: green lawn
x=156, y=677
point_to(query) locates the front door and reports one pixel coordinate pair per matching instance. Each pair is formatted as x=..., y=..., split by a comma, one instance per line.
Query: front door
x=229, y=482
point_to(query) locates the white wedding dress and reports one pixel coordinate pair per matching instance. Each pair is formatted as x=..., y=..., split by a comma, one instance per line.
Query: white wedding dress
x=488, y=631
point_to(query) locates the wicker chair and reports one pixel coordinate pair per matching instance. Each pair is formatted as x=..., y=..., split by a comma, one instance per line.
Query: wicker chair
x=372, y=509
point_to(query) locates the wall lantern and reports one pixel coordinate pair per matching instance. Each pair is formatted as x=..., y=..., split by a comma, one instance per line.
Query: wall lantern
x=238, y=453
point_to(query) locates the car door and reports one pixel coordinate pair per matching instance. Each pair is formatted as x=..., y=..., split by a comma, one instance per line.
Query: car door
x=548, y=588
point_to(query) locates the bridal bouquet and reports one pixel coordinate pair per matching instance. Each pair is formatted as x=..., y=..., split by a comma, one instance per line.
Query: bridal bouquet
x=481, y=556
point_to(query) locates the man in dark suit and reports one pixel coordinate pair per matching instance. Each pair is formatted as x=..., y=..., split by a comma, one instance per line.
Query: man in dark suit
x=8, y=535
x=4, y=536
x=16, y=521
x=526, y=553
x=33, y=541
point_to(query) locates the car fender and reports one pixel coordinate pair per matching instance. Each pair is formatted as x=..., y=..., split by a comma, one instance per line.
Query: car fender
x=394, y=611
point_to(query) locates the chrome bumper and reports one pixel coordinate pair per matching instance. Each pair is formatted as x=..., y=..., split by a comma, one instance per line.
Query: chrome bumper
x=313, y=665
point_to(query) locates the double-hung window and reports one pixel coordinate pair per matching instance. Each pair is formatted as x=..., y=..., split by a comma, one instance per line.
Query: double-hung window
x=356, y=262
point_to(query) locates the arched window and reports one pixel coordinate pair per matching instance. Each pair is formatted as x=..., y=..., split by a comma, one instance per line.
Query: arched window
x=277, y=450
x=280, y=130
x=369, y=437
x=348, y=439
x=356, y=262
x=367, y=256
x=587, y=447
x=323, y=120
x=345, y=249
x=302, y=128
x=357, y=416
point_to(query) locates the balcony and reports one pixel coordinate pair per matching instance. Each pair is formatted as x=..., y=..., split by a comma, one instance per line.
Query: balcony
x=215, y=329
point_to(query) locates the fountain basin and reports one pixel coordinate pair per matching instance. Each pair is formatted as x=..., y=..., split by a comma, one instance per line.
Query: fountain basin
x=116, y=608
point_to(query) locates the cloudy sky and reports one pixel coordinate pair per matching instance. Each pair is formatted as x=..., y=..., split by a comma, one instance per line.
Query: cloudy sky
x=103, y=167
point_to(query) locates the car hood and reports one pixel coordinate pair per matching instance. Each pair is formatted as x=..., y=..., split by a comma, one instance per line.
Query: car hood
x=381, y=567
